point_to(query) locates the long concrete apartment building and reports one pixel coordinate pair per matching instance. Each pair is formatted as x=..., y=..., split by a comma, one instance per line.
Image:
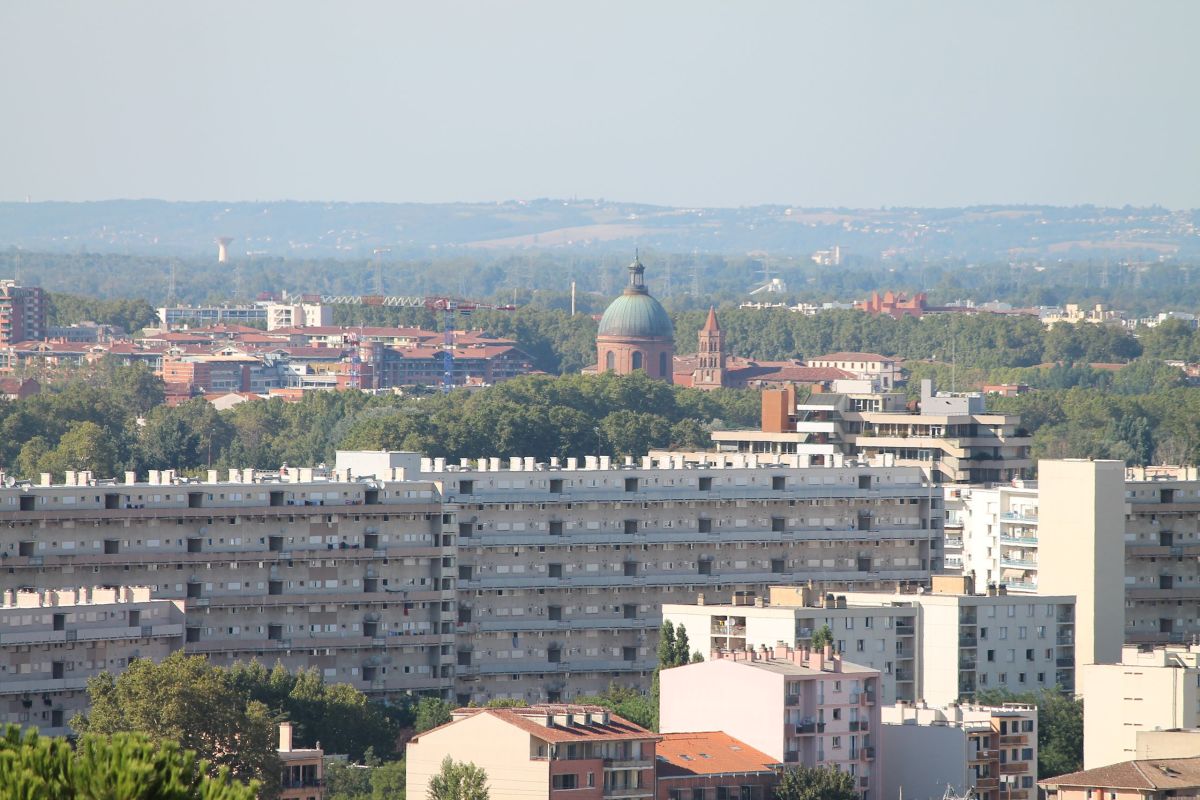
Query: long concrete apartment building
x=52, y=641
x=513, y=579
x=563, y=569
x=352, y=576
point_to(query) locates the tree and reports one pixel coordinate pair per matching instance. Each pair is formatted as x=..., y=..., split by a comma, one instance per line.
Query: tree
x=388, y=781
x=431, y=712
x=683, y=648
x=458, y=780
x=697, y=657
x=1060, y=726
x=124, y=766
x=816, y=783
x=821, y=637
x=187, y=700
x=666, y=644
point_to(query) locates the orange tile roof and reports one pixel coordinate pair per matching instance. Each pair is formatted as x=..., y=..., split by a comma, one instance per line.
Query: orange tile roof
x=685, y=755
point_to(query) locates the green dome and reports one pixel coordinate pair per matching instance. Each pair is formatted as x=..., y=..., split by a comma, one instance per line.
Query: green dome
x=635, y=314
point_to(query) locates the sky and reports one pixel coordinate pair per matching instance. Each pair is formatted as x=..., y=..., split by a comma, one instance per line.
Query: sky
x=839, y=103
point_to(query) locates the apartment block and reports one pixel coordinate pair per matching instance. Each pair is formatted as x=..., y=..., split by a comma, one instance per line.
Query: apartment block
x=563, y=569
x=799, y=707
x=352, y=576
x=713, y=765
x=987, y=751
x=1140, y=528
x=1147, y=690
x=52, y=641
x=952, y=438
x=880, y=635
x=971, y=642
x=22, y=313
x=936, y=646
x=551, y=752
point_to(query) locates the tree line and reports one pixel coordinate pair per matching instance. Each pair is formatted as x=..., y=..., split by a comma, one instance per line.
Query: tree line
x=682, y=280
x=115, y=420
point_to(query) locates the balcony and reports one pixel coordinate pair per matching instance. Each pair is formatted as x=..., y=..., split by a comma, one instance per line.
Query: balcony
x=1064, y=662
x=807, y=728
x=1017, y=738
x=986, y=783
x=1020, y=541
x=867, y=754
x=1017, y=516
x=1014, y=767
x=967, y=640
x=1019, y=563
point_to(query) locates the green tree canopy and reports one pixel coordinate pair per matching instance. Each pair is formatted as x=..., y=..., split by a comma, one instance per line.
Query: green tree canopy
x=119, y=767
x=431, y=712
x=816, y=783
x=458, y=780
x=187, y=700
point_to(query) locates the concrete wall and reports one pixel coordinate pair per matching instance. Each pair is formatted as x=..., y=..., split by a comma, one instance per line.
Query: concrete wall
x=922, y=760
x=1119, y=700
x=748, y=706
x=1082, y=522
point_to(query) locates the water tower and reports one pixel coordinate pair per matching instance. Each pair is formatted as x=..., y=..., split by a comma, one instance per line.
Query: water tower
x=223, y=243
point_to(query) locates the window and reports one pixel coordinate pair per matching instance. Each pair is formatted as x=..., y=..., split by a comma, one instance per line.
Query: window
x=861, y=645
x=564, y=781
x=837, y=742
x=1004, y=633
x=610, y=360
x=637, y=359
x=983, y=633
x=662, y=364
x=991, y=655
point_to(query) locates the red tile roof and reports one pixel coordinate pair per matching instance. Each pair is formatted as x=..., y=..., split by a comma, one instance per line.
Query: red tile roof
x=686, y=755
x=617, y=729
x=849, y=356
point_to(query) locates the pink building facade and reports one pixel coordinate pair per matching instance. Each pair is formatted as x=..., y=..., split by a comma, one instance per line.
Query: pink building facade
x=800, y=707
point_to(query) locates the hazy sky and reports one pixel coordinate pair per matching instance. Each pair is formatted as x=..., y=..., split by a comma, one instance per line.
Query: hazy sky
x=690, y=103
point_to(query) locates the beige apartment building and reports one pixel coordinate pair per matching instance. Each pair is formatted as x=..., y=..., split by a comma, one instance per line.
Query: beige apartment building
x=544, y=752
x=563, y=569
x=989, y=751
x=302, y=769
x=952, y=438
x=1149, y=689
x=52, y=641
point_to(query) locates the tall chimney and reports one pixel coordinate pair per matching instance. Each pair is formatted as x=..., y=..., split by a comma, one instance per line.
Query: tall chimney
x=285, y=737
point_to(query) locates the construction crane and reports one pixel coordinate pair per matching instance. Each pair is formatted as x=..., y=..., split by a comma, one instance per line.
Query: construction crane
x=446, y=306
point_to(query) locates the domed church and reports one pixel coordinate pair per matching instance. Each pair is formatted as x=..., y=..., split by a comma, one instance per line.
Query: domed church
x=635, y=332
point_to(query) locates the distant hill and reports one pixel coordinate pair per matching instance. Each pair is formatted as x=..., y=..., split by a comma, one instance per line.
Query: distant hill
x=355, y=230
